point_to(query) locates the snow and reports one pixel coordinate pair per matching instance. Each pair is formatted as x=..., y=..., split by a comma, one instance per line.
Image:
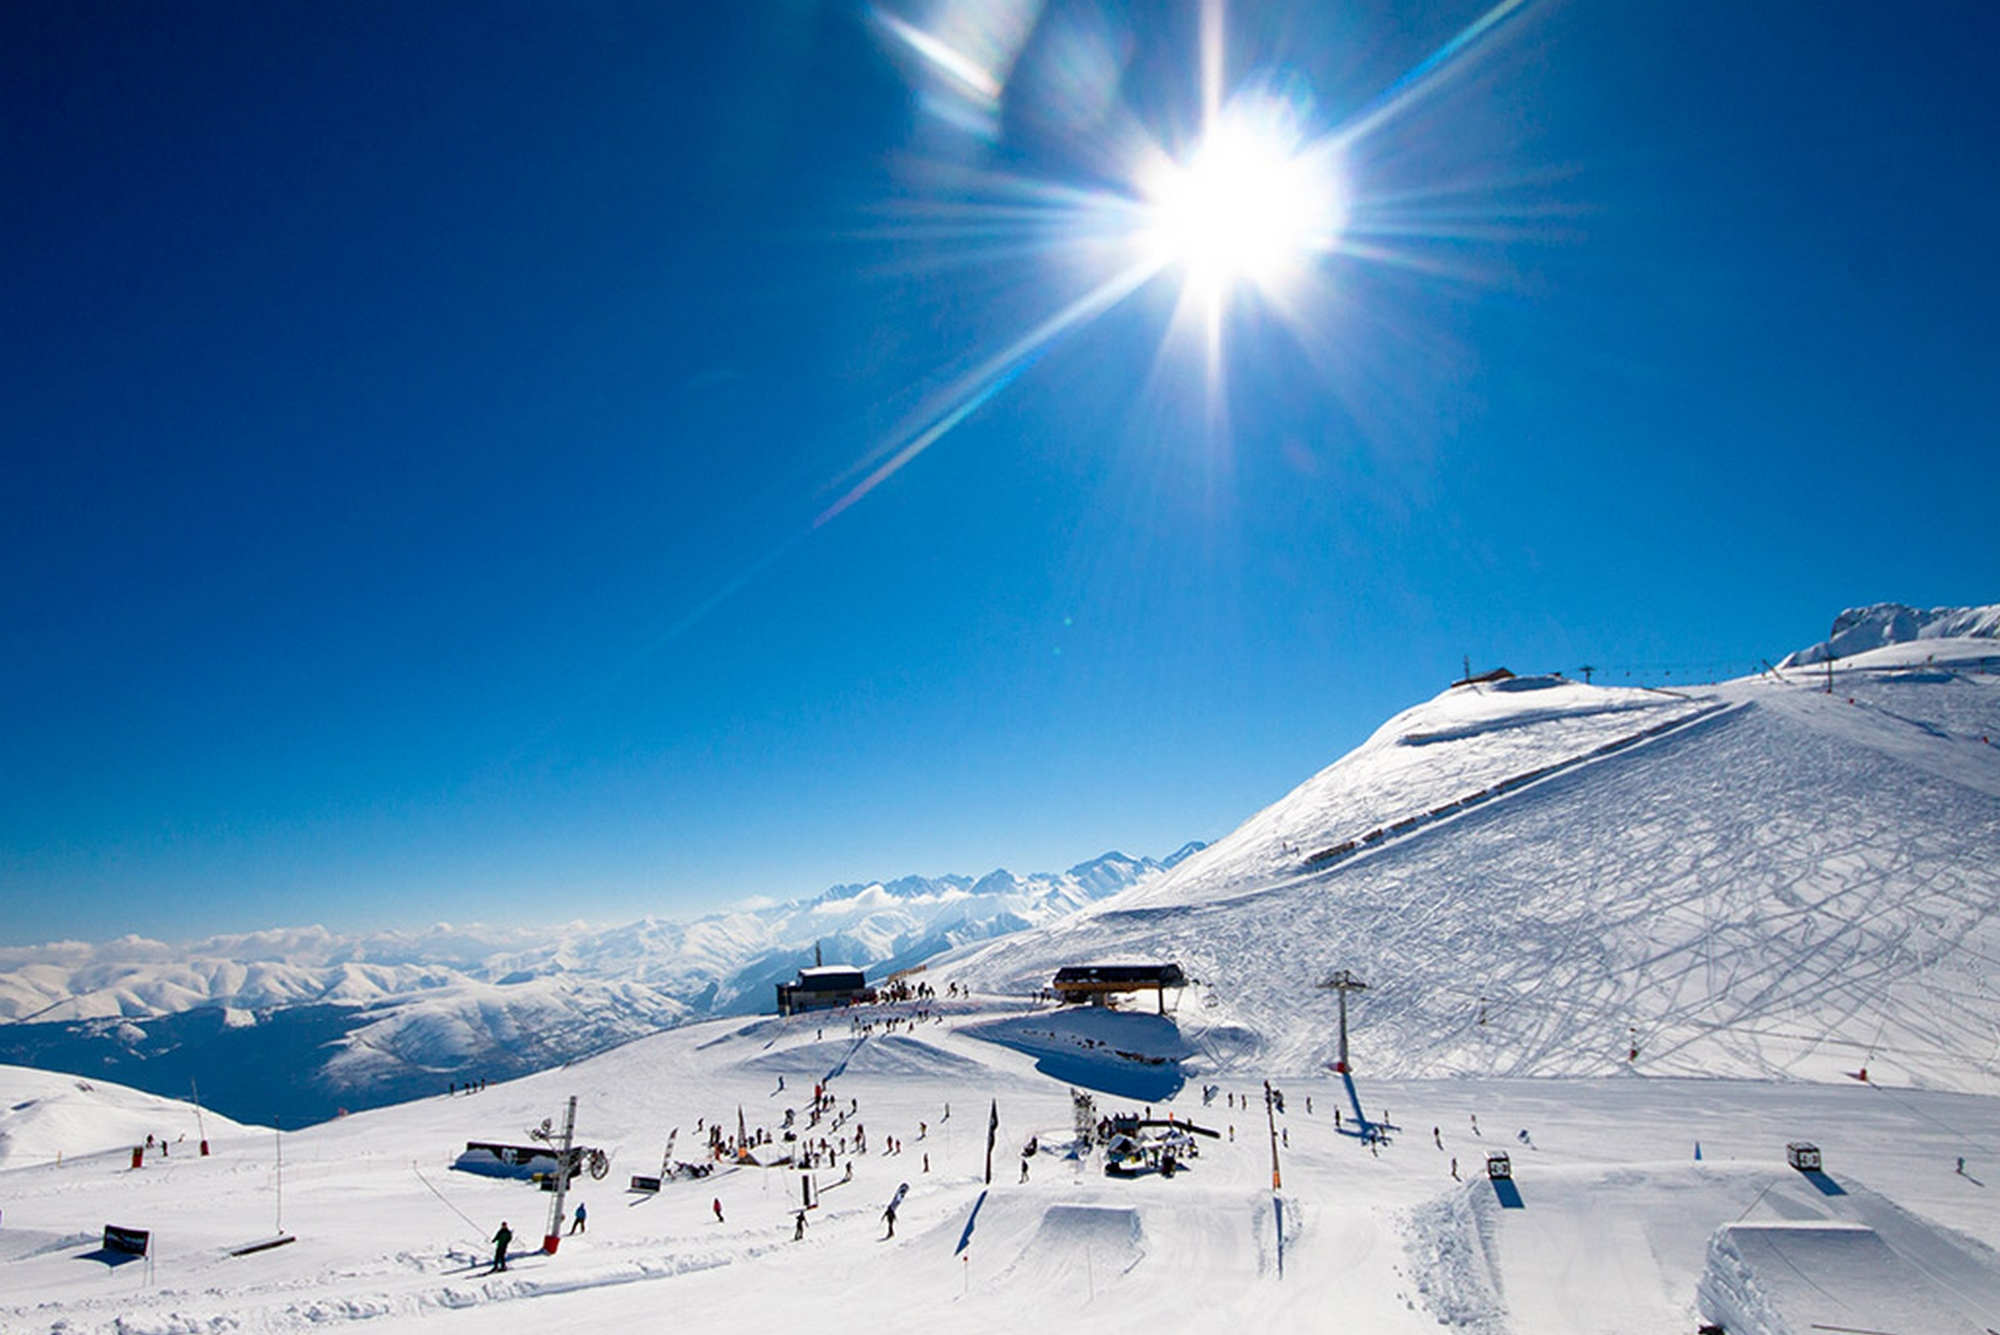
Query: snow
x=1862, y=629
x=1799, y=1276
x=394, y=1015
x=1613, y=1235
x=45, y=1114
x=1637, y=939
x=1780, y=883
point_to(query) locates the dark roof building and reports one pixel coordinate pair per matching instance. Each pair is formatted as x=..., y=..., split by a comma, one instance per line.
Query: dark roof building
x=822, y=987
x=1096, y=983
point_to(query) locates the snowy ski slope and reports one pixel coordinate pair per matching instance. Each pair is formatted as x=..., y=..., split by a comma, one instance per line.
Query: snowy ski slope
x=1779, y=883
x=1612, y=1234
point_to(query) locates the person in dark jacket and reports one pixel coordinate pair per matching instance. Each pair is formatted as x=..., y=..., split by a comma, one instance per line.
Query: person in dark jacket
x=576, y=1225
x=500, y=1241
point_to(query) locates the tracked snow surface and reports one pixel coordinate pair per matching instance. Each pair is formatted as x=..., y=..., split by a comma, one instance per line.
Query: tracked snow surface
x=1567, y=902
x=1751, y=879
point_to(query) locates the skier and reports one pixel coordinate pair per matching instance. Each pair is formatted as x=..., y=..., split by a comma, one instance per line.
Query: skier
x=1454, y=1168
x=799, y=1226
x=1475, y=1124
x=716, y=1205
x=1437, y=1137
x=890, y=1215
x=1336, y=1119
x=1024, y=1170
x=576, y=1225
x=500, y=1241
x=1961, y=1165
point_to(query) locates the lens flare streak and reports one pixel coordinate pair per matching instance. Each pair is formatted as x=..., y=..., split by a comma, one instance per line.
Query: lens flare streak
x=984, y=381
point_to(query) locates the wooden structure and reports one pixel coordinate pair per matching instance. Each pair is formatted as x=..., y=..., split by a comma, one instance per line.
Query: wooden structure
x=1098, y=983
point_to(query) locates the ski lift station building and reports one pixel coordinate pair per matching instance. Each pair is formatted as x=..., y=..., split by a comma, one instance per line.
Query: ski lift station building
x=1097, y=983
x=822, y=987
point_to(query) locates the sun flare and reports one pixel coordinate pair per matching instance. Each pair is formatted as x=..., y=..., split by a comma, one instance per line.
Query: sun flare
x=1247, y=205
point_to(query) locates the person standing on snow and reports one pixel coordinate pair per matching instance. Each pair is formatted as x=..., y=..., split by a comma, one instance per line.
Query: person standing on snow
x=716, y=1205
x=500, y=1241
x=577, y=1220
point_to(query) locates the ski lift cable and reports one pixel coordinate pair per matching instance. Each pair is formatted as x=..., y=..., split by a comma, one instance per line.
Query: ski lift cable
x=447, y=1202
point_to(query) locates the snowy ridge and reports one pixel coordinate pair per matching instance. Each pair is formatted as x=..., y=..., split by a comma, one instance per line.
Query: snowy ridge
x=1860, y=629
x=45, y=1113
x=1454, y=750
x=1786, y=884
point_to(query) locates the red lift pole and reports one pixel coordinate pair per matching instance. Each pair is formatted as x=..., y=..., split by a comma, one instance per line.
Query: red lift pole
x=553, y=1236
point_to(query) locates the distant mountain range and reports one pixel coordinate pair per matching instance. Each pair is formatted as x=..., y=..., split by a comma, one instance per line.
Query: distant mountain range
x=296, y=1024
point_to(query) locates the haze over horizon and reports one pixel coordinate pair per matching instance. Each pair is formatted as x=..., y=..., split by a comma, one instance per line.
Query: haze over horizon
x=529, y=467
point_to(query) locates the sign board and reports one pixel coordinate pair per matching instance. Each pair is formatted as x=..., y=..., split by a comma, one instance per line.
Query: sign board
x=131, y=1241
x=644, y=1183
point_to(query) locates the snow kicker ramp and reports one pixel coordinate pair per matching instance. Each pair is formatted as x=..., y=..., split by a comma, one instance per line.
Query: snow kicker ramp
x=1796, y=1278
x=1632, y=1250
x=1080, y=1246
x=1768, y=891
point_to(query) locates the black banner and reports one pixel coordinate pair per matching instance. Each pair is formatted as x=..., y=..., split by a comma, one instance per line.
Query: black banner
x=132, y=1241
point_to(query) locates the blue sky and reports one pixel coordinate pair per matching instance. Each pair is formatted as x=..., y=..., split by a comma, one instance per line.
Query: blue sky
x=417, y=419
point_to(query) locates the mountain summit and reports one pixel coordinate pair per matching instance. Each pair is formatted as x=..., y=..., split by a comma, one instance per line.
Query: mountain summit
x=1861, y=629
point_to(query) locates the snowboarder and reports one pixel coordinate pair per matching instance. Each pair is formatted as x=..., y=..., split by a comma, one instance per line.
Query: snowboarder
x=576, y=1224
x=1336, y=1119
x=500, y=1241
x=1961, y=1165
x=716, y=1205
x=1437, y=1137
x=1454, y=1168
x=799, y=1226
x=1024, y=1170
x=890, y=1216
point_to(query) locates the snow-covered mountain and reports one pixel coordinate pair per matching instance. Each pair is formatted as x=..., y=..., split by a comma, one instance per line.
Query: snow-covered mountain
x=1537, y=877
x=1860, y=629
x=297, y=1023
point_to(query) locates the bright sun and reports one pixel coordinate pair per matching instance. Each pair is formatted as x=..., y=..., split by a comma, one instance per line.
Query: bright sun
x=1247, y=205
